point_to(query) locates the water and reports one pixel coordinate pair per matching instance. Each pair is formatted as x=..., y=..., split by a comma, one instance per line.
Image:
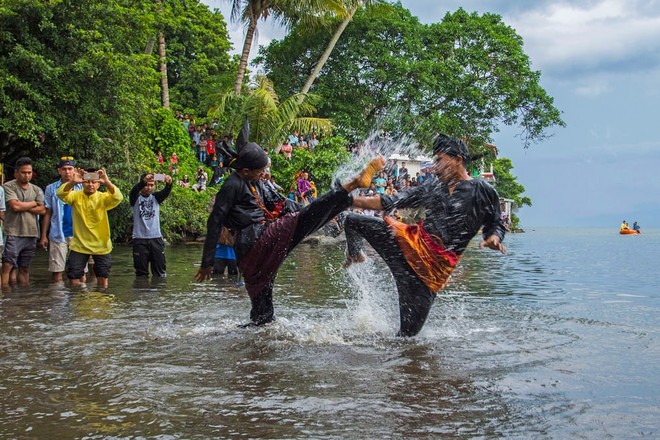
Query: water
x=558, y=339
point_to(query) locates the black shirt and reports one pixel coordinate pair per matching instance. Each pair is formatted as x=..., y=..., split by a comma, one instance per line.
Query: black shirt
x=455, y=218
x=237, y=208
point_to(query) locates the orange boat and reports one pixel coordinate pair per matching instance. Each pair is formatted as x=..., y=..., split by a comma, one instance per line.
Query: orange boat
x=627, y=231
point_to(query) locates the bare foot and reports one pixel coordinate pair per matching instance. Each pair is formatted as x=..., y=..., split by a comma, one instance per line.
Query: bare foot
x=359, y=258
x=376, y=164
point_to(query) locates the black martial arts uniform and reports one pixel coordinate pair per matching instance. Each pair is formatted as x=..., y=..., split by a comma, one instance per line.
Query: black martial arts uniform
x=267, y=228
x=421, y=257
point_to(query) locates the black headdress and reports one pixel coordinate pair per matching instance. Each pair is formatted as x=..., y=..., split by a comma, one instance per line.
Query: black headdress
x=451, y=146
x=247, y=155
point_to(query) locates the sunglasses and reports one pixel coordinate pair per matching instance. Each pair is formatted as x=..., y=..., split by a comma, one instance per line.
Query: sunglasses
x=66, y=158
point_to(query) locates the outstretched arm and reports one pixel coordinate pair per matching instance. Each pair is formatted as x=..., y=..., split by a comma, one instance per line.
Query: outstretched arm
x=493, y=242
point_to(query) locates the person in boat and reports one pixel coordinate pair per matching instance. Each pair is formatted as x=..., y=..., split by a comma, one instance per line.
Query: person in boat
x=637, y=228
x=624, y=226
x=266, y=225
x=422, y=256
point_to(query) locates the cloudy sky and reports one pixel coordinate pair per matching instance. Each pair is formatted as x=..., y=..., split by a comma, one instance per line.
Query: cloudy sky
x=600, y=60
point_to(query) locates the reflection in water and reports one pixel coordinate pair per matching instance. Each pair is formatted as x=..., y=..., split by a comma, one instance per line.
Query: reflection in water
x=513, y=354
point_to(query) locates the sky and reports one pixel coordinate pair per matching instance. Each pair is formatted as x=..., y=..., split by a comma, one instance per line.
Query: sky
x=600, y=61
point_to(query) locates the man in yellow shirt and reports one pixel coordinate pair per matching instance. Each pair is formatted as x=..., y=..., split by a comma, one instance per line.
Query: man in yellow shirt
x=624, y=225
x=91, y=227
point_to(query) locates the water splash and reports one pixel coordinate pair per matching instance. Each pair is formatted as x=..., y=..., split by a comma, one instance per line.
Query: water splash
x=379, y=143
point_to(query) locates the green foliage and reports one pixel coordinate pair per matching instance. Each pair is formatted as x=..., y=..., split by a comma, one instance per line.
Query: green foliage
x=198, y=62
x=464, y=76
x=270, y=120
x=321, y=164
x=509, y=188
x=77, y=72
x=185, y=212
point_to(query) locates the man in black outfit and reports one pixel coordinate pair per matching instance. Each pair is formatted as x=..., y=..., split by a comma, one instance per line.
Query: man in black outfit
x=266, y=226
x=422, y=256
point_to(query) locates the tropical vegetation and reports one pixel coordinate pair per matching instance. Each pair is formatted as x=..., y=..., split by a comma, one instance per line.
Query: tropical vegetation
x=100, y=81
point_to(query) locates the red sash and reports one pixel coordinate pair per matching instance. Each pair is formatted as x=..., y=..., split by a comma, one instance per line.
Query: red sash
x=426, y=254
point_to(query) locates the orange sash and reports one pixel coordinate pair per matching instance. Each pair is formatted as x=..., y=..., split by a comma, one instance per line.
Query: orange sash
x=426, y=254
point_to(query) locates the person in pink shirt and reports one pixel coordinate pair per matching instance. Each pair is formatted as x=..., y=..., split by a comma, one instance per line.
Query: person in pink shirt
x=286, y=149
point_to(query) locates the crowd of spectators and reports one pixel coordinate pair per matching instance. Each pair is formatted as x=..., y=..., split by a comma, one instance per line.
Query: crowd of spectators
x=206, y=143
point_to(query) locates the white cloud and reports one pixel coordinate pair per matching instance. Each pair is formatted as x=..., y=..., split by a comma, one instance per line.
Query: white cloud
x=563, y=36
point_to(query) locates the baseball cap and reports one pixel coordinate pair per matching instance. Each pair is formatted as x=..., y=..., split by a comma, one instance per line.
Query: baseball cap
x=66, y=161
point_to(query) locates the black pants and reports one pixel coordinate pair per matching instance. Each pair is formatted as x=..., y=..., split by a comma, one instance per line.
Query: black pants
x=415, y=298
x=149, y=251
x=220, y=264
x=310, y=219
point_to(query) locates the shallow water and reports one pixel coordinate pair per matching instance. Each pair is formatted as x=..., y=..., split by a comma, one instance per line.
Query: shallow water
x=558, y=339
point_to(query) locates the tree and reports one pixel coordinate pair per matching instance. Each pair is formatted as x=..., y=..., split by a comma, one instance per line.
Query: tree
x=75, y=80
x=351, y=7
x=68, y=76
x=198, y=61
x=271, y=120
x=162, y=62
x=463, y=76
x=286, y=12
x=364, y=74
x=508, y=187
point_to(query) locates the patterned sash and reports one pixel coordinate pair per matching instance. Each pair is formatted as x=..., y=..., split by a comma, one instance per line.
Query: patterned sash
x=426, y=254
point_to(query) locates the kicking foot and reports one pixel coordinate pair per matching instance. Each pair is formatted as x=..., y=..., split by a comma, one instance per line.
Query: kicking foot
x=359, y=258
x=368, y=173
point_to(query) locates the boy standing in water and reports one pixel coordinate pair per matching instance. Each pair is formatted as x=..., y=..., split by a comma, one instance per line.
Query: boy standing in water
x=422, y=256
x=148, y=242
x=91, y=227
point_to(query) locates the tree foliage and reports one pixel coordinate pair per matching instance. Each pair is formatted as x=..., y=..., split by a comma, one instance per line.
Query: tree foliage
x=463, y=76
x=322, y=164
x=271, y=120
x=508, y=187
x=75, y=80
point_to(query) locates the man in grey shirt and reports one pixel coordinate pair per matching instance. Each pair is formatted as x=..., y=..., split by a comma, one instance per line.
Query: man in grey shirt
x=25, y=202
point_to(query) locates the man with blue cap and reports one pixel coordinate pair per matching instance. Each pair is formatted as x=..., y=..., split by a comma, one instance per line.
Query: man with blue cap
x=57, y=223
x=422, y=256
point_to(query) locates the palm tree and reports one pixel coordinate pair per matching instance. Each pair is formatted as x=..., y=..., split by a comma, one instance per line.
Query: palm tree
x=271, y=120
x=286, y=12
x=162, y=59
x=350, y=8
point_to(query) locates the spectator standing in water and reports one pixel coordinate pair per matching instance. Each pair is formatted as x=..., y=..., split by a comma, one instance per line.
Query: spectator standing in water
x=91, y=227
x=57, y=223
x=24, y=204
x=148, y=242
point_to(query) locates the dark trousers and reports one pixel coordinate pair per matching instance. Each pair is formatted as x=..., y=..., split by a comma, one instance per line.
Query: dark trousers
x=220, y=264
x=149, y=251
x=310, y=219
x=415, y=298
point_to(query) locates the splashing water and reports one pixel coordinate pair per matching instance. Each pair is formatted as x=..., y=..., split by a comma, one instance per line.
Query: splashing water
x=378, y=144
